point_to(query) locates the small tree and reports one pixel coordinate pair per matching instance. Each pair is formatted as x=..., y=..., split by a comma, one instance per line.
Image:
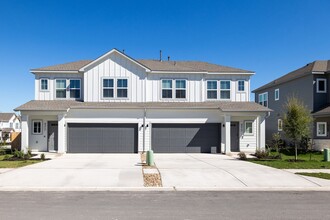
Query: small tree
x=277, y=141
x=297, y=122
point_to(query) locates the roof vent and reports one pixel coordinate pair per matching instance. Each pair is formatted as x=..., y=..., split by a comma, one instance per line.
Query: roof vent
x=160, y=55
x=168, y=58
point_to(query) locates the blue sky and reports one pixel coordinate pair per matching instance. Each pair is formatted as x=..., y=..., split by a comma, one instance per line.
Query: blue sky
x=269, y=37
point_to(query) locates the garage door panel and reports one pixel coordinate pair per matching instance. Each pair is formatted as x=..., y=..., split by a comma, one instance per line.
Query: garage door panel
x=185, y=138
x=102, y=138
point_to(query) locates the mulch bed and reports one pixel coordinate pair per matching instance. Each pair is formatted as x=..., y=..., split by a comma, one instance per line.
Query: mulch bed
x=150, y=180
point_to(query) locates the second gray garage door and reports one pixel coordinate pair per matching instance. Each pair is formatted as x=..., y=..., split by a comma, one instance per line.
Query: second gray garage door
x=185, y=138
x=102, y=138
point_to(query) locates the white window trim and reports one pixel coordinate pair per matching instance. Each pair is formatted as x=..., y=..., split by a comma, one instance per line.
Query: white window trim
x=217, y=89
x=75, y=88
x=238, y=85
x=262, y=94
x=278, y=91
x=317, y=85
x=116, y=86
x=113, y=87
x=278, y=124
x=245, y=133
x=173, y=89
x=325, y=129
x=66, y=89
x=36, y=133
x=40, y=87
x=225, y=89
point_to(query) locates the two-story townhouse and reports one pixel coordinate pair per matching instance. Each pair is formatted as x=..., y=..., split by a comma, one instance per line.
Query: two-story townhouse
x=119, y=104
x=310, y=84
x=9, y=122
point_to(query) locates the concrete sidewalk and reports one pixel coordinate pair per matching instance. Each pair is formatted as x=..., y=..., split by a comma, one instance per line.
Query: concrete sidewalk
x=220, y=171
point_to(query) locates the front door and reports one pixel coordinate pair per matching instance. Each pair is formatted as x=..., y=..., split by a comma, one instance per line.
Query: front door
x=52, y=135
x=234, y=139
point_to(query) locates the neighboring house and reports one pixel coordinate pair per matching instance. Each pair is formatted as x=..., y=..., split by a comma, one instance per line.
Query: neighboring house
x=119, y=104
x=310, y=84
x=9, y=122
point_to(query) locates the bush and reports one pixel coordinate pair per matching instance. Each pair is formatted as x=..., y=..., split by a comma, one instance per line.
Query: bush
x=261, y=154
x=42, y=157
x=6, y=157
x=2, y=151
x=242, y=156
x=18, y=154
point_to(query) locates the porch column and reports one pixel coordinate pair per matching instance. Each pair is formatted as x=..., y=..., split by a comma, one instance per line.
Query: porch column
x=227, y=135
x=25, y=133
x=61, y=133
x=262, y=132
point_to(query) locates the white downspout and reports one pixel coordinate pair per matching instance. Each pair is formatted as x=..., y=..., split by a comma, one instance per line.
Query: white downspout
x=144, y=129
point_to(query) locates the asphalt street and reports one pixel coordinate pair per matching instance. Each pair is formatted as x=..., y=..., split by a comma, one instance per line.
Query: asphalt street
x=165, y=205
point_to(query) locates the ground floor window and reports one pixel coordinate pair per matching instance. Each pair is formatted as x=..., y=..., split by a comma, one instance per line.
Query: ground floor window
x=37, y=127
x=280, y=125
x=248, y=127
x=321, y=129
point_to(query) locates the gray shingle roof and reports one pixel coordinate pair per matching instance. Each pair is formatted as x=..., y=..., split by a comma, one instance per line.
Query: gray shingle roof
x=155, y=65
x=56, y=105
x=72, y=66
x=316, y=66
x=6, y=116
x=324, y=111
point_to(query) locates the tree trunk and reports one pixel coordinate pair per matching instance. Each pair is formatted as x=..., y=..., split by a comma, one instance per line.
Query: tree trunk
x=295, y=151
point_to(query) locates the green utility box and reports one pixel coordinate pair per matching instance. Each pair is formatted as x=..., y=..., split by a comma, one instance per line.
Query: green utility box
x=326, y=152
x=150, y=158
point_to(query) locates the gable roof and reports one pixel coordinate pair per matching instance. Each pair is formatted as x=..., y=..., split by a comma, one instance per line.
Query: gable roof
x=65, y=105
x=148, y=64
x=6, y=116
x=313, y=67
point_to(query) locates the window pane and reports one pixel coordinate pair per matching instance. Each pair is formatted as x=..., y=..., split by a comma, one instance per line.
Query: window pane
x=248, y=127
x=265, y=98
x=225, y=85
x=241, y=85
x=321, y=129
x=122, y=83
x=180, y=84
x=211, y=84
x=224, y=94
x=75, y=93
x=180, y=94
x=61, y=93
x=44, y=84
x=74, y=84
x=37, y=127
x=166, y=84
x=166, y=93
x=108, y=93
x=260, y=99
x=265, y=103
x=61, y=84
x=107, y=82
x=321, y=85
x=212, y=94
x=122, y=93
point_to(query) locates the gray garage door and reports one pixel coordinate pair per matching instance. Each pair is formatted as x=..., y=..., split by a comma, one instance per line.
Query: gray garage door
x=102, y=138
x=185, y=138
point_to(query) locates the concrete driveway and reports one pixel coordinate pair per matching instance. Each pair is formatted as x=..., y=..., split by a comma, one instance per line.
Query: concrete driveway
x=221, y=171
x=77, y=171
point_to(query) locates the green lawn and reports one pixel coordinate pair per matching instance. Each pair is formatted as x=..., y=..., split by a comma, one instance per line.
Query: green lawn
x=318, y=175
x=15, y=164
x=316, y=162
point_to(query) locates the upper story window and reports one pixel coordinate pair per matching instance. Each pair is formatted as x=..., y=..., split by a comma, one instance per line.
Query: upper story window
x=321, y=129
x=225, y=89
x=75, y=88
x=61, y=88
x=114, y=88
x=241, y=85
x=11, y=124
x=174, y=88
x=321, y=85
x=36, y=127
x=17, y=126
x=122, y=88
x=212, y=89
x=68, y=88
x=277, y=94
x=43, y=84
x=108, y=88
x=263, y=99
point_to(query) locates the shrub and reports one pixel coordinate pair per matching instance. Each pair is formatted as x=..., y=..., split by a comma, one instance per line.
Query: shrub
x=2, y=151
x=242, y=156
x=261, y=154
x=6, y=157
x=18, y=154
x=42, y=157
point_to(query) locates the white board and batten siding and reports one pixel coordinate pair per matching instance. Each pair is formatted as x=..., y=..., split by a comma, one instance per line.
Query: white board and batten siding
x=115, y=67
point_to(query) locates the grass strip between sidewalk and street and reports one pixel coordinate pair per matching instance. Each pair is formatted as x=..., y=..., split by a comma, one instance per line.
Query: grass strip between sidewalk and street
x=318, y=175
